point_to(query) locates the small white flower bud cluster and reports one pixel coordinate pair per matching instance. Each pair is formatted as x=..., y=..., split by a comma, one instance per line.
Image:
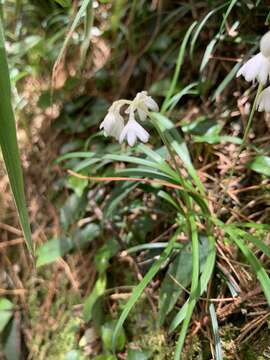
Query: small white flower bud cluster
x=258, y=68
x=114, y=123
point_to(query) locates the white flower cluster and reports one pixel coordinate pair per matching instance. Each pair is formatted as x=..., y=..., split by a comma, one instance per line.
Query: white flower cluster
x=258, y=68
x=114, y=123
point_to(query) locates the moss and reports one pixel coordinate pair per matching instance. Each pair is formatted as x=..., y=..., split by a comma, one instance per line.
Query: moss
x=53, y=333
x=228, y=334
x=141, y=329
x=159, y=344
x=63, y=341
x=192, y=349
x=258, y=348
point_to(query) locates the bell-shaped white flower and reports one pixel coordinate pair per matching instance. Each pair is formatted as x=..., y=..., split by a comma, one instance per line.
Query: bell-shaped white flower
x=133, y=131
x=263, y=102
x=143, y=103
x=265, y=45
x=113, y=123
x=258, y=67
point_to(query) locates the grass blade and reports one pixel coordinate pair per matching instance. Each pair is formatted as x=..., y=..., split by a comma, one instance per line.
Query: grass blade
x=168, y=130
x=179, y=63
x=217, y=341
x=250, y=257
x=204, y=279
x=208, y=52
x=9, y=145
x=229, y=9
x=200, y=27
x=194, y=288
x=177, y=97
x=76, y=21
x=163, y=167
x=229, y=77
x=256, y=265
x=142, y=285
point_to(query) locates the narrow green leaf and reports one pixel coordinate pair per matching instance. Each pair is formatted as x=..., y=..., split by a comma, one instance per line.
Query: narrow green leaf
x=195, y=290
x=177, y=97
x=208, y=52
x=179, y=62
x=166, y=196
x=143, y=172
x=178, y=277
x=256, y=241
x=75, y=155
x=142, y=285
x=157, y=245
x=250, y=257
x=200, y=27
x=177, y=143
x=229, y=9
x=256, y=266
x=217, y=341
x=229, y=77
x=9, y=145
x=74, y=24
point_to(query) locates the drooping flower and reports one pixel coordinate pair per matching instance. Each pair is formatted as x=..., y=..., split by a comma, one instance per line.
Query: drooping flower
x=263, y=102
x=138, y=109
x=133, y=131
x=143, y=103
x=258, y=67
x=113, y=123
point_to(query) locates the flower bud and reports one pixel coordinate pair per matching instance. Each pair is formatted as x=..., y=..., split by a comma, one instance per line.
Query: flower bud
x=265, y=45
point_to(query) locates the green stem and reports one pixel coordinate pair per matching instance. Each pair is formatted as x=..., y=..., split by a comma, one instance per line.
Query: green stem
x=251, y=116
x=180, y=178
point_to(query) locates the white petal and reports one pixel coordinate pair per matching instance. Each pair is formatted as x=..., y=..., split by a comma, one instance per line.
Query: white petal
x=263, y=102
x=151, y=104
x=265, y=45
x=107, y=123
x=113, y=124
x=123, y=134
x=118, y=127
x=140, y=132
x=131, y=138
x=132, y=131
x=142, y=114
x=143, y=135
x=250, y=69
x=258, y=67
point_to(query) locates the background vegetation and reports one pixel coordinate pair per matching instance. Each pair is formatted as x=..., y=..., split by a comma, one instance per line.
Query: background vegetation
x=164, y=254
